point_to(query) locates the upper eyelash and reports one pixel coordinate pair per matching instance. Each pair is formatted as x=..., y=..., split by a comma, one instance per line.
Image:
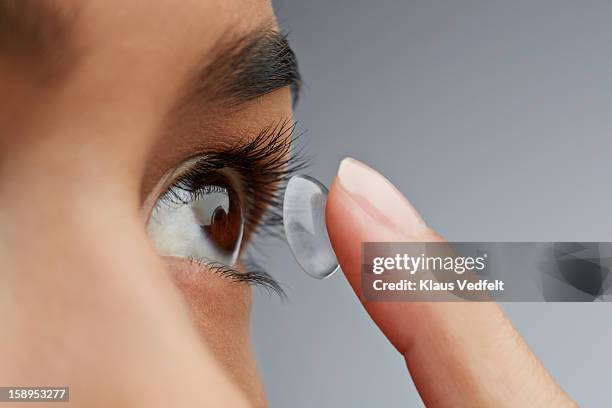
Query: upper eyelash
x=264, y=165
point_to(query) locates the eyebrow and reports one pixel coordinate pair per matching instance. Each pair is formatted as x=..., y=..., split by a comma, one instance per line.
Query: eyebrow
x=243, y=69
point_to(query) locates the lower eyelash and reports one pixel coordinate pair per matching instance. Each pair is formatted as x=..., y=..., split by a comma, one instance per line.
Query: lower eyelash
x=252, y=276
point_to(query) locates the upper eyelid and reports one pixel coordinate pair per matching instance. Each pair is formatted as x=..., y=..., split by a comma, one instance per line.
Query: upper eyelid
x=229, y=175
x=263, y=163
x=252, y=145
x=159, y=189
x=182, y=177
x=172, y=177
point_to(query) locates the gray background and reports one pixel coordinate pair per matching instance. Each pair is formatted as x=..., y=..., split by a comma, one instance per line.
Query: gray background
x=494, y=119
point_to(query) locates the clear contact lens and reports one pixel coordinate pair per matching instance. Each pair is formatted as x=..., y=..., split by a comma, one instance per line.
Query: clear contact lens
x=305, y=229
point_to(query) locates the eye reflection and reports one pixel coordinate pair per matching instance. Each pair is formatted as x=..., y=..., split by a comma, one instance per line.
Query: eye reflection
x=205, y=225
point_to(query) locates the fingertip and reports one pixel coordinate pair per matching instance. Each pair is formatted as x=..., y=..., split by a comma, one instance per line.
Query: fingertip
x=342, y=235
x=351, y=219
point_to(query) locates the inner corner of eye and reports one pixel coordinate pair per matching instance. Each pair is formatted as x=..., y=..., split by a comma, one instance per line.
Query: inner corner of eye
x=199, y=217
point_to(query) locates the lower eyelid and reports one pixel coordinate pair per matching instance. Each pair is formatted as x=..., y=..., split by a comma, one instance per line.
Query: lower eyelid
x=252, y=276
x=208, y=295
x=193, y=271
x=195, y=266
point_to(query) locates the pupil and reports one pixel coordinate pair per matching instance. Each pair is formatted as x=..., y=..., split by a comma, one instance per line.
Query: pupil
x=218, y=215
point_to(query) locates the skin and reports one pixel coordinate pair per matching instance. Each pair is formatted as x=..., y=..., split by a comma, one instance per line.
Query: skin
x=86, y=301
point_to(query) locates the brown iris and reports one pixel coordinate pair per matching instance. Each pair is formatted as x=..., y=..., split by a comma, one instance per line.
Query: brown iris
x=217, y=209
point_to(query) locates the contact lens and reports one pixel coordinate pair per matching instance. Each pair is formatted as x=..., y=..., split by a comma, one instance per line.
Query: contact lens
x=305, y=229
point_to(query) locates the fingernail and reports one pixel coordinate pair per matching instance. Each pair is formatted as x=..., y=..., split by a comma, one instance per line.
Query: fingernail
x=378, y=197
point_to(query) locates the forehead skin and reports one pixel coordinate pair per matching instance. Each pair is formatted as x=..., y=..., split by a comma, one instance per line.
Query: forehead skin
x=129, y=60
x=87, y=121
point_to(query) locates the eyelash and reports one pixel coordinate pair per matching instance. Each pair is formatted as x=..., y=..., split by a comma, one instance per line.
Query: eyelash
x=263, y=165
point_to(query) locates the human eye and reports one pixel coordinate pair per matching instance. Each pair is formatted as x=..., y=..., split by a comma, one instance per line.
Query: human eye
x=199, y=217
x=215, y=203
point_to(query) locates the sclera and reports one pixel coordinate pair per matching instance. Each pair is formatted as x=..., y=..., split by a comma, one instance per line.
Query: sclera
x=305, y=228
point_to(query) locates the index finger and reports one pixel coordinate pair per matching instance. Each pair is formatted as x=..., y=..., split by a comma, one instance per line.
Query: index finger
x=459, y=354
